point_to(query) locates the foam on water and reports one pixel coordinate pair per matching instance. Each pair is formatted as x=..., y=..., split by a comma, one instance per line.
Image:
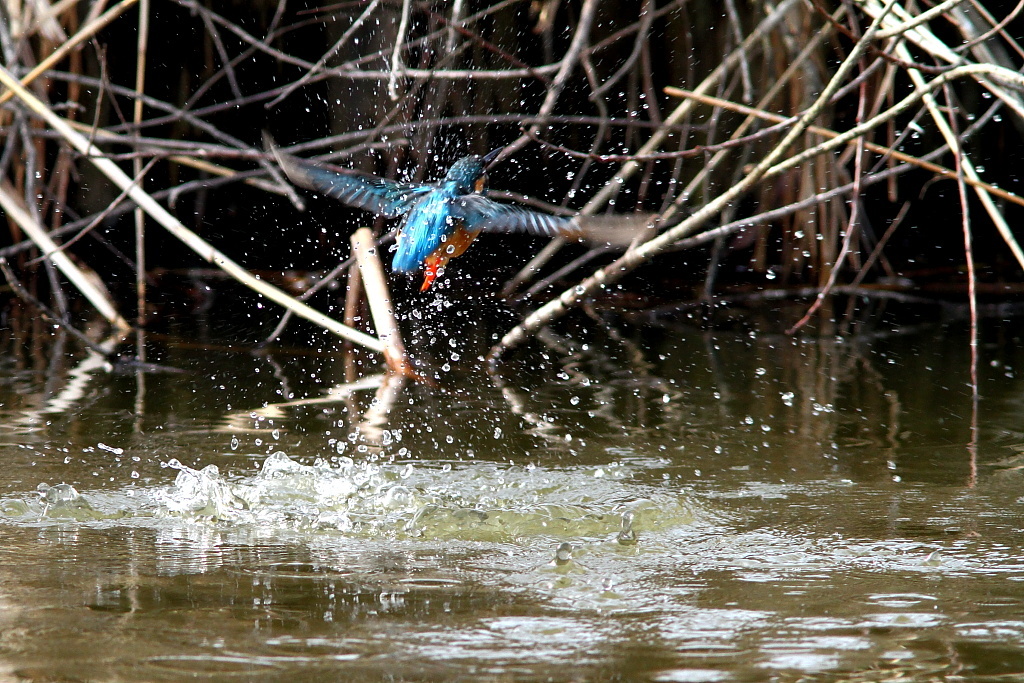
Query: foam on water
x=474, y=501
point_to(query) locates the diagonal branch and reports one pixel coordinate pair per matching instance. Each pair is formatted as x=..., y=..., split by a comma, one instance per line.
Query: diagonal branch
x=770, y=164
x=175, y=227
x=13, y=208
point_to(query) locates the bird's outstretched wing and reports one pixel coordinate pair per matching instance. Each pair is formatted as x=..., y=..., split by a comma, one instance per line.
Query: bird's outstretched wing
x=480, y=213
x=388, y=198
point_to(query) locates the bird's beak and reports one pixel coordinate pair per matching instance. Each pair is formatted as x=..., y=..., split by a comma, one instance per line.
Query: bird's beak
x=491, y=156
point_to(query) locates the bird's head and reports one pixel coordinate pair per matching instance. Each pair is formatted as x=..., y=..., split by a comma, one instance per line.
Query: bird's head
x=469, y=174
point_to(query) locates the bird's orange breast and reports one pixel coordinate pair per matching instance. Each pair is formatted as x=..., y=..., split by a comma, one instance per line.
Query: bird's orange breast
x=452, y=245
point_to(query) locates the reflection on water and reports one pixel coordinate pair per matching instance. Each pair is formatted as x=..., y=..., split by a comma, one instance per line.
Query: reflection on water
x=685, y=507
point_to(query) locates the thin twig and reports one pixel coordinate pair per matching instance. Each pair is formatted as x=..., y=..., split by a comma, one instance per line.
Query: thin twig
x=992, y=31
x=565, y=68
x=771, y=164
x=968, y=171
x=687, y=153
x=162, y=216
x=85, y=33
x=57, y=319
x=852, y=226
x=397, y=67
x=923, y=17
x=37, y=233
x=97, y=219
x=610, y=189
x=888, y=152
x=349, y=32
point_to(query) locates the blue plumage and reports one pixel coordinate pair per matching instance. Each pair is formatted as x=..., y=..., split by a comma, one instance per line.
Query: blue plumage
x=428, y=222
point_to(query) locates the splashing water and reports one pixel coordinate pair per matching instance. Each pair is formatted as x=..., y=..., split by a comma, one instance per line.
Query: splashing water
x=476, y=502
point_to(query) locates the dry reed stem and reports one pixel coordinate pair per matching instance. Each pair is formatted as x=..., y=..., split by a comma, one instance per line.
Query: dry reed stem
x=203, y=249
x=852, y=225
x=140, y=217
x=914, y=21
x=375, y=284
x=767, y=167
x=681, y=112
x=966, y=169
x=924, y=39
x=783, y=36
x=85, y=33
x=37, y=233
x=52, y=12
x=884, y=151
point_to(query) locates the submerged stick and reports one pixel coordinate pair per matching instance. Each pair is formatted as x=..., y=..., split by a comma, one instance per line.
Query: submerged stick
x=370, y=429
x=162, y=216
x=364, y=246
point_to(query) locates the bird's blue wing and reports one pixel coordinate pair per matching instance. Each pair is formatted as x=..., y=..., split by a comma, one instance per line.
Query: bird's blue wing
x=384, y=197
x=480, y=213
x=388, y=198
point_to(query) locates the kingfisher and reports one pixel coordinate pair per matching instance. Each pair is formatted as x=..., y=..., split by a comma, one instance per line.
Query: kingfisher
x=439, y=220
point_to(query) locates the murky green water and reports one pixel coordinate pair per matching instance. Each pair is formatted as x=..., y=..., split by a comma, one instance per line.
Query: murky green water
x=736, y=507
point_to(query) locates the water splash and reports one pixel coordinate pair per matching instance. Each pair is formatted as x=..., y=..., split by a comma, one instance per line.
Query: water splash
x=60, y=502
x=480, y=501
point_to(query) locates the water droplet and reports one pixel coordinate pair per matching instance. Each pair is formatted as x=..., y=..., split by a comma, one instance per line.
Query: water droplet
x=626, y=535
x=61, y=493
x=564, y=554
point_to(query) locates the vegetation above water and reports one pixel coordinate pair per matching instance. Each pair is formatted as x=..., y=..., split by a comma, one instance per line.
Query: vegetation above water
x=735, y=153
x=664, y=505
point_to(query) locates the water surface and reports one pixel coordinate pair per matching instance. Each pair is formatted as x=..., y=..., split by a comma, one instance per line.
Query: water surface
x=678, y=506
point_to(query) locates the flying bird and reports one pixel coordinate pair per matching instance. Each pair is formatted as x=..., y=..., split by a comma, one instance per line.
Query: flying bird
x=439, y=220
